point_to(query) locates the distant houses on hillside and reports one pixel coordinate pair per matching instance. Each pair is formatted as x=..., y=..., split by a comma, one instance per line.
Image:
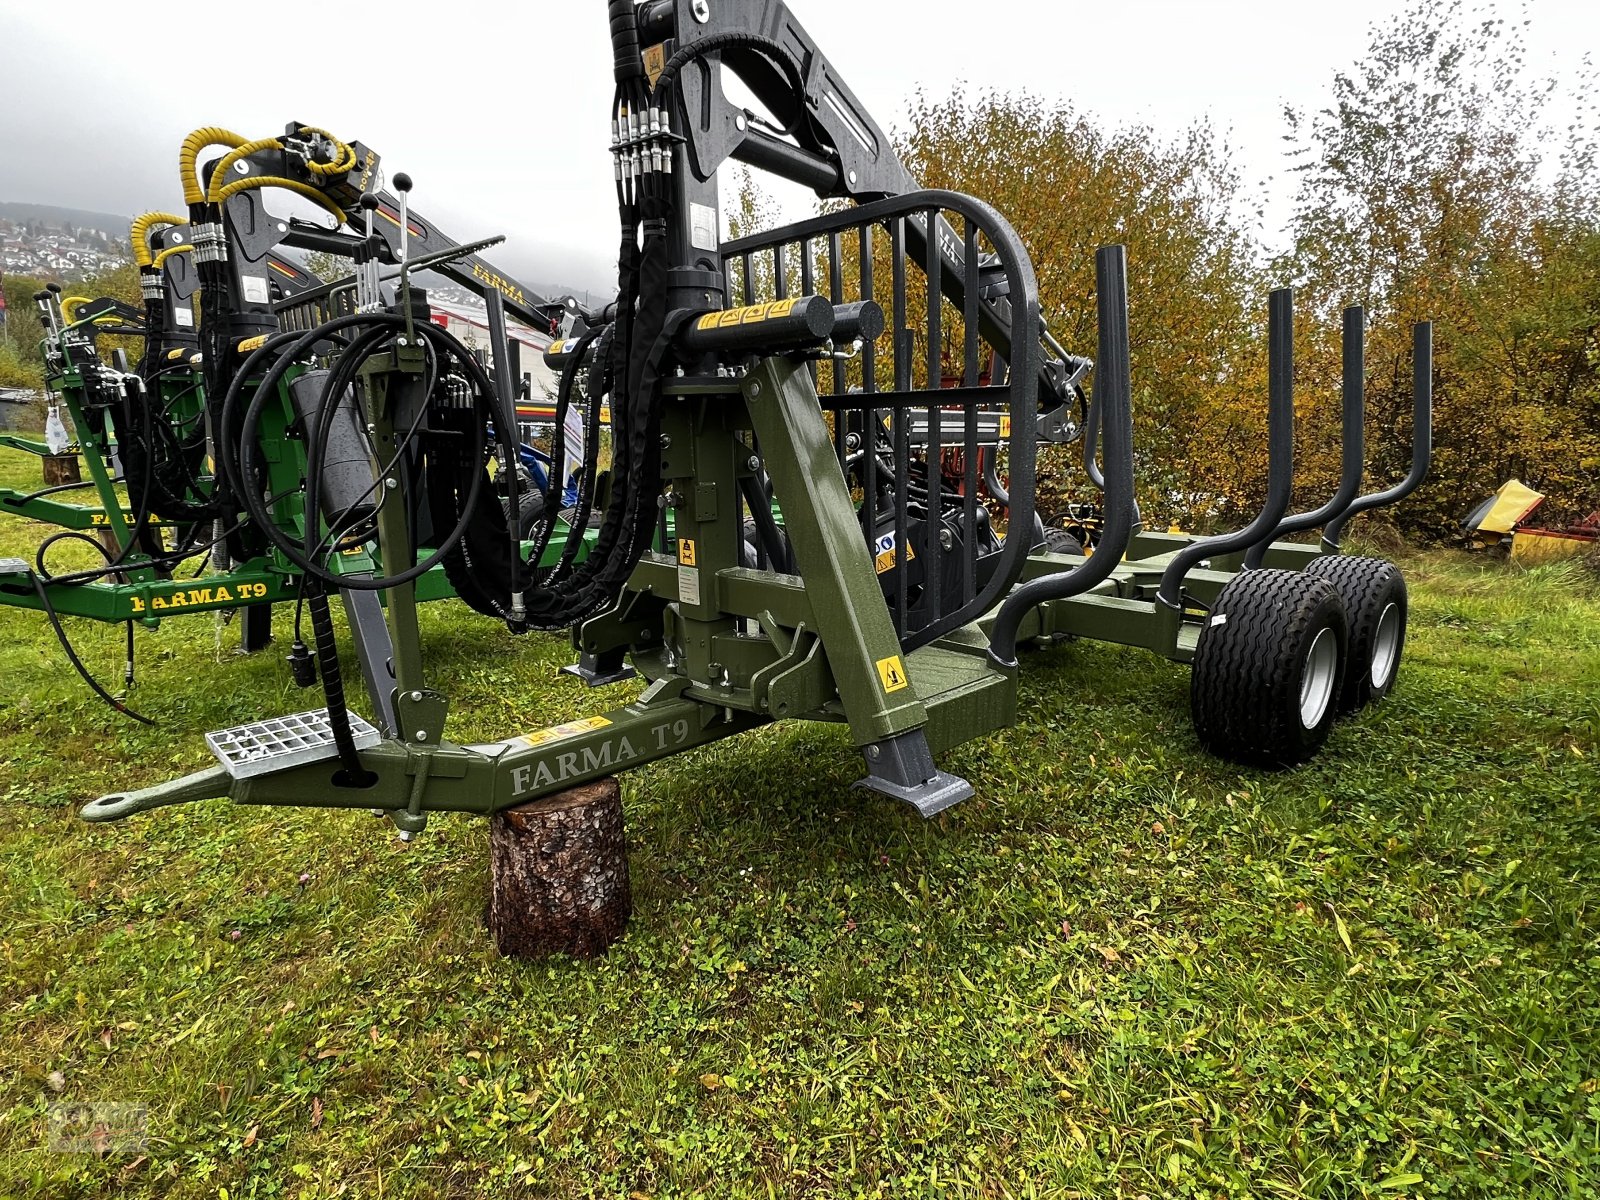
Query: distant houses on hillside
x=57, y=251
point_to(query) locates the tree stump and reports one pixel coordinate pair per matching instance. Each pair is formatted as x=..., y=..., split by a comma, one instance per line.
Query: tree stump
x=558, y=874
x=61, y=468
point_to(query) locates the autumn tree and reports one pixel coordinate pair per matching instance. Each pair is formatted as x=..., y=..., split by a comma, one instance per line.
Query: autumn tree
x=1426, y=193
x=1069, y=185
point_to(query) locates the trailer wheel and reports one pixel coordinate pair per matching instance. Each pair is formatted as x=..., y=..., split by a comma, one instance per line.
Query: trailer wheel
x=1059, y=541
x=1268, y=668
x=530, y=511
x=749, y=555
x=1374, y=595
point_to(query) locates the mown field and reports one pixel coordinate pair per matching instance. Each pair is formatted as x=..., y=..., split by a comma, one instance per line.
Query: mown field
x=1124, y=969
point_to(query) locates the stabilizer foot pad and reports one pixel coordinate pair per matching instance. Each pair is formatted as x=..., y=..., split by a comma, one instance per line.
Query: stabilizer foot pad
x=929, y=798
x=278, y=742
x=902, y=769
x=599, y=678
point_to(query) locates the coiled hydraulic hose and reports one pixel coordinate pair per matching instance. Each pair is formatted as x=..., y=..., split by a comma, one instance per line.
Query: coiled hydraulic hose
x=245, y=460
x=139, y=234
x=189, y=157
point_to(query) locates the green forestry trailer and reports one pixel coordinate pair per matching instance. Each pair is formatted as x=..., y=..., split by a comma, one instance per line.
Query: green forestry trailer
x=160, y=423
x=804, y=372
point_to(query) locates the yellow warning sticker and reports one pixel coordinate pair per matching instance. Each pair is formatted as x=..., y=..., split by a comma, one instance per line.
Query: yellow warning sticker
x=686, y=552
x=556, y=732
x=655, y=61
x=893, y=673
x=1005, y=425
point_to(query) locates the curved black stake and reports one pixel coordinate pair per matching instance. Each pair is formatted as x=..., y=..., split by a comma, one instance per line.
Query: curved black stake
x=1421, y=437
x=1091, y=468
x=1280, y=455
x=991, y=480
x=1114, y=389
x=1353, y=421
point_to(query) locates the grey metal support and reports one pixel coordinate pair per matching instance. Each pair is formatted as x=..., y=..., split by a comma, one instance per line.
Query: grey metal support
x=1280, y=456
x=1114, y=390
x=364, y=610
x=1421, y=437
x=1353, y=454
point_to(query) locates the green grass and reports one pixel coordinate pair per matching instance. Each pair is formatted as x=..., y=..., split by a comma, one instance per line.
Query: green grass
x=1123, y=969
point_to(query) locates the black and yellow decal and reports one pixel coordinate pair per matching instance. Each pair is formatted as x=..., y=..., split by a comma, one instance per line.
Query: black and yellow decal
x=752, y=314
x=892, y=673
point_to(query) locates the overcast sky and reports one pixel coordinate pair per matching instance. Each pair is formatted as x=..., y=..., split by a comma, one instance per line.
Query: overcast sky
x=505, y=132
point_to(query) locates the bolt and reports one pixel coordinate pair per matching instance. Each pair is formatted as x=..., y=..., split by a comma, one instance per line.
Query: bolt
x=740, y=123
x=754, y=464
x=407, y=836
x=416, y=697
x=666, y=442
x=852, y=178
x=702, y=11
x=755, y=387
x=945, y=539
x=422, y=735
x=874, y=752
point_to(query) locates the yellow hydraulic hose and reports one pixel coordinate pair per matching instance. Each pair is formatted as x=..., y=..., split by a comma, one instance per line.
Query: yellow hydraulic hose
x=69, y=310
x=344, y=158
x=189, y=155
x=160, y=260
x=143, y=226
x=219, y=177
x=249, y=183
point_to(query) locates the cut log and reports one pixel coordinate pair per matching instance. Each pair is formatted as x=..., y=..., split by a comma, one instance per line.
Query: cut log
x=558, y=874
x=61, y=468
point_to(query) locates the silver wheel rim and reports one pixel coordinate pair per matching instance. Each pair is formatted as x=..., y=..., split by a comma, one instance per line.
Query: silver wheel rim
x=1386, y=647
x=1318, y=678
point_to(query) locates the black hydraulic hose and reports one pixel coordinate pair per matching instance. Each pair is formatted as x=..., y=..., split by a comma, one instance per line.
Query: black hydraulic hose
x=354, y=774
x=735, y=39
x=326, y=413
x=227, y=432
x=598, y=386
x=1421, y=437
x=1353, y=436
x=558, y=447
x=60, y=487
x=72, y=654
x=1113, y=390
x=140, y=527
x=1280, y=456
x=626, y=64
x=246, y=455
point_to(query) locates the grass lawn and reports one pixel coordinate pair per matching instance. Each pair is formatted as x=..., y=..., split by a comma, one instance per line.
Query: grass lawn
x=1123, y=969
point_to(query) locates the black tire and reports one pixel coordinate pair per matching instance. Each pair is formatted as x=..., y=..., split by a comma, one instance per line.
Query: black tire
x=749, y=554
x=1268, y=668
x=1374, y=595
x=1059, y=541
x=530, y=505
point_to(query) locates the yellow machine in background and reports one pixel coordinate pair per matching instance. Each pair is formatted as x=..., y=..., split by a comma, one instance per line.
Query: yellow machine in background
x=1504, y=516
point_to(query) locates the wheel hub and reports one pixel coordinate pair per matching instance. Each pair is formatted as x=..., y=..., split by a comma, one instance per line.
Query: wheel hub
x=1318, y=679
x=1386, y=647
